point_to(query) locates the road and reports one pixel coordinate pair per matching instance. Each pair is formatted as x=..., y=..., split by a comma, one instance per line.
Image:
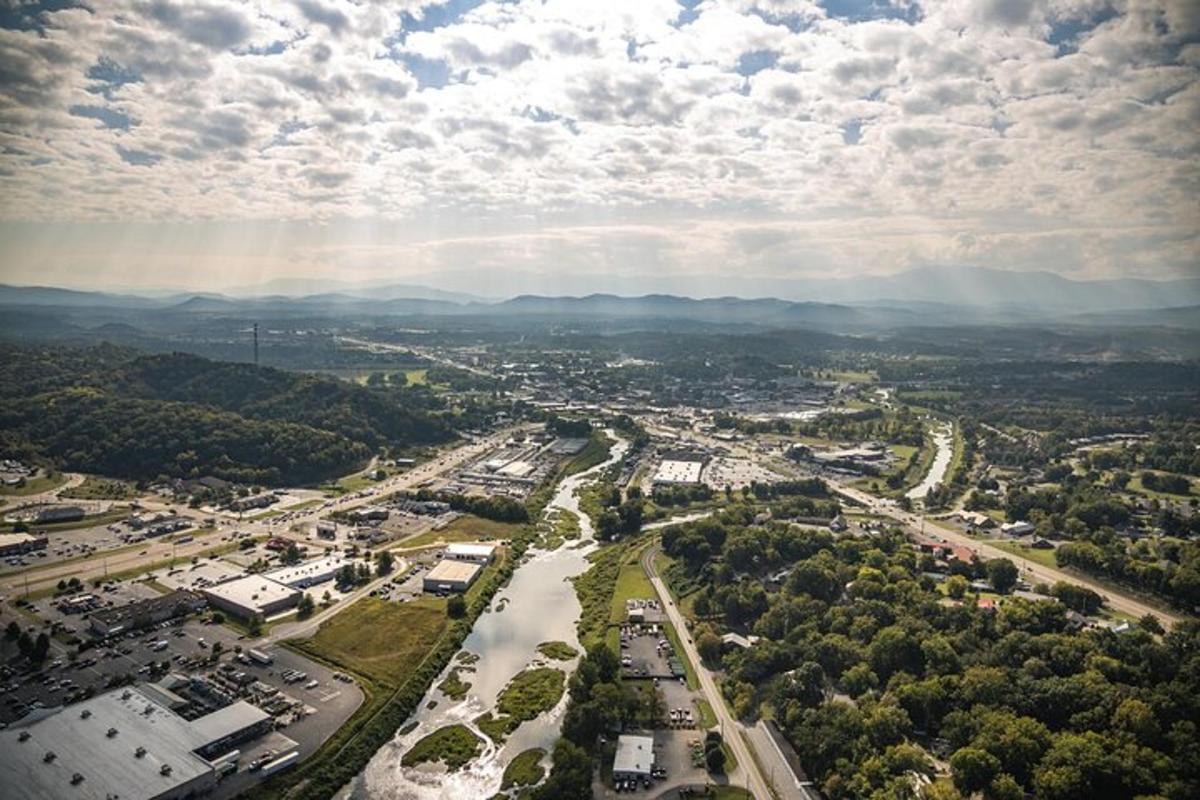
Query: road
x=148, y=553
x=1030, y=570
x=734, y=730
x=913, y=522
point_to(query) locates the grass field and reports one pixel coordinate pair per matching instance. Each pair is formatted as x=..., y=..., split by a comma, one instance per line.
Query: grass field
x=416, y=377
x=467, y=528
x=380, y=639
x=632, y=583
x=94, y=488
x=1044, y=557
x=42, y=483
x=558, y=651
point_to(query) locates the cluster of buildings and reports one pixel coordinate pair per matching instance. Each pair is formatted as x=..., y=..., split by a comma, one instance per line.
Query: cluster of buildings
x=14, y=473
x=124, y=744
x=144, y=613
x=15, y=544
x=267, y=594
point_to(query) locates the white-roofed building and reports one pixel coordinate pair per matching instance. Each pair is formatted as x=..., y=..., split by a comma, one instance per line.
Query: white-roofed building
x=674, y=472
x=478, y=552
x=252, y=595
x=634, y=758
x=123, y=744
x=452, y=576
x=310, y=573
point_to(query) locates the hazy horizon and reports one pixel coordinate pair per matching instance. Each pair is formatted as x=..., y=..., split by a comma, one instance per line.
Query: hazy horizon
x=498, y=148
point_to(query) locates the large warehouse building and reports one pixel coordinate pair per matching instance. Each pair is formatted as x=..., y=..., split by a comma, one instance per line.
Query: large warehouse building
x=121, y=744
x=678, y=472
x=310, y=573
x=452, y=576
x=252, y=596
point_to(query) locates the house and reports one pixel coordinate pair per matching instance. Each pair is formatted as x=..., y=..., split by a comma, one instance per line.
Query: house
x=1019, y=528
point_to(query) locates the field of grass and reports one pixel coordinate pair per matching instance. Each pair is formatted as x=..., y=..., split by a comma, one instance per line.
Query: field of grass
x=94, y=488
x=594, y=589
x=466, y=528
x=708, y=717
x=632, y=583
x=454, y=745
x=36, y=485
x=594, y=453
x=693, y=682
x=351, y=483
x=531, y=692
x=380, y=639
x=416, y=377
x=524, y=769
x=558, y=651
x=1046, y=558
x=1135, y=486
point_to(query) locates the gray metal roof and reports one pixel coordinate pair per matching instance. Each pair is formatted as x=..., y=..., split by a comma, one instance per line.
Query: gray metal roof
x=108, y=764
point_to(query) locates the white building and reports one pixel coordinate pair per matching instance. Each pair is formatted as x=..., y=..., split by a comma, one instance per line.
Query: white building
x=634, y=759
x=310, y=573
x=478, y=552
x=452, y=576
x=674, y=472
x=251, y=596
x=1019, y=528
x=122, y=744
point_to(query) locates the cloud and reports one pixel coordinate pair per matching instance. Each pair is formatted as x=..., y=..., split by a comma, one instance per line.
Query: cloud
x=772, y=136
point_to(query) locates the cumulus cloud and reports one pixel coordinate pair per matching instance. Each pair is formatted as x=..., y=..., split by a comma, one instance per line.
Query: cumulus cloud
x=770, y=136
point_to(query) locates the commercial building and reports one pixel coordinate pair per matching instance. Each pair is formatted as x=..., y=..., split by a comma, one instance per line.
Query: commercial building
x=478, y=552
x=310, y=573
x=452, y=576
x=121, y=744
x=675, y=472
x=251, y=503
x=367, y=514
x=143, y=613
x=17, y=543
x=252, y=596
x=634, y=759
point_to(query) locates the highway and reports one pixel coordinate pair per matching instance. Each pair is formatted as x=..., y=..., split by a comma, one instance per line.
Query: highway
x=149, y=553
x=1030, y=570
x=913, y=522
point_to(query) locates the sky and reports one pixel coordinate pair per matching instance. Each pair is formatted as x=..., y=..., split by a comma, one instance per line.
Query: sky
x=594, y=144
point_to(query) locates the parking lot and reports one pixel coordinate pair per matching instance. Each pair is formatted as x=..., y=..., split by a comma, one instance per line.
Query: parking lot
x=646, y=653
x=199, y=651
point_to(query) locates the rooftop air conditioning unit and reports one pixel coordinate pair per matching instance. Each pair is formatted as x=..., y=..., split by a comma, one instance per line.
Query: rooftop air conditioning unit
x=85, y=714
x=165, y=770
x=24, y=737
x=111, y=732
x=141, y=751
x=49, y=757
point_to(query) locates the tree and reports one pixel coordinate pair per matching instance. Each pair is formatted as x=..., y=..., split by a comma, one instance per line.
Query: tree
x=973, y=769
x=292, y=554
x=41, y=648
x=305, y=607
x=254, y=627
x=714, y=760
x=956, y=586
x=1002, y=574
x=25, y=643
x=708, y=644
x=456, y=607
x=13, y=631
x=385, y=563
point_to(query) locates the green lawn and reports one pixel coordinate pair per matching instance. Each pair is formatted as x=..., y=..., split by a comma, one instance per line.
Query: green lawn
x=380, y=639
x=632, y=583
x=1046, y=558
x=416, y=377
x=467, y=528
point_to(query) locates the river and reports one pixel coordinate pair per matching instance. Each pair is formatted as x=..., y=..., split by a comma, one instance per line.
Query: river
x=943, y=443
x=539, y=605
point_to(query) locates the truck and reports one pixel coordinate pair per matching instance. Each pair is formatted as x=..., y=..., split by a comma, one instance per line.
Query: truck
x=261, y=657
x=281, y=763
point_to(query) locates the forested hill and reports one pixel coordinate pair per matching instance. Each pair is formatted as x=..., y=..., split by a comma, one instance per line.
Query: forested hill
x=121, y=413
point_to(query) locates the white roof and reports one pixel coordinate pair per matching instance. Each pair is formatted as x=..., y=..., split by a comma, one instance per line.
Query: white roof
x=471, y=548
x=453, y=571
x=251, y=591
x=671, y=471
x=308, y=570
x=635, y=755
x=108, y=765
x=10, y=539
x=226, y=721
